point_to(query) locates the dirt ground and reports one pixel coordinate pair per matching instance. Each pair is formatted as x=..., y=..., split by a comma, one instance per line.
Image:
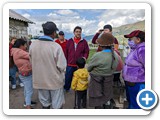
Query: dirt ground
x=16, y=99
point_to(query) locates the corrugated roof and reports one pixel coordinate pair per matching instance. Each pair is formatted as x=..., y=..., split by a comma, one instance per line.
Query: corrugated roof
x=16, y=16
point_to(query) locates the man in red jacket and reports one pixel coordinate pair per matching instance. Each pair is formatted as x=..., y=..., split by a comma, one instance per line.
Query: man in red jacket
x=62, y=41
x=76, y=48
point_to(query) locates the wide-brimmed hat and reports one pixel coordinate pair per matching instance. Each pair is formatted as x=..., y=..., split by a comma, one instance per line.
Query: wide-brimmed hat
x=134, y=33
x=106, y=39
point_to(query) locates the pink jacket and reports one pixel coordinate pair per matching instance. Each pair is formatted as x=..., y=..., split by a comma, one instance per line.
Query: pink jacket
x=120, y=62
x=21, y=60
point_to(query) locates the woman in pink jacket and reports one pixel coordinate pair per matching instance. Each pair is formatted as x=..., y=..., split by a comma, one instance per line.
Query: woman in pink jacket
x=21, y=60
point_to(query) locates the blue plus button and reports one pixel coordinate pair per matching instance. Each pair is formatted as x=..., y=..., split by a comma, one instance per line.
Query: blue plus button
x=147, y=99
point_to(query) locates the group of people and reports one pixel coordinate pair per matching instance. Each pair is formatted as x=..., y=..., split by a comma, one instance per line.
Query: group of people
x=56, y=66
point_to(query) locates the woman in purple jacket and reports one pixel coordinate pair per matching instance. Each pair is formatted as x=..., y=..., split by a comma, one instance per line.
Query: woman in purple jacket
x=134, y=68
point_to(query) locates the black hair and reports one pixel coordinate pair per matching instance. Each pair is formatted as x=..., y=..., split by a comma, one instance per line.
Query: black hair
x=81, y=62
x=77, y=27
x=19, y=42
x=141, y=35
x=108, y=27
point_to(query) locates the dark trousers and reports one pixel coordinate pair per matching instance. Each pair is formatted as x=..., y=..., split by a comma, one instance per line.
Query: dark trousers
x=81, y=99
x=68, y=76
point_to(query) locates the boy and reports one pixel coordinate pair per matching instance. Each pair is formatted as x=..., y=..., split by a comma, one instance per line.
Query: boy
x=80, y=83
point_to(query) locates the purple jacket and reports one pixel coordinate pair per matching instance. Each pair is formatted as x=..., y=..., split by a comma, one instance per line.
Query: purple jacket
x=75, y=51
x=134, y=68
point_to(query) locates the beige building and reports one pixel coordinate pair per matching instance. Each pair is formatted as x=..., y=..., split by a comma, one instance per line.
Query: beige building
x=18, y=25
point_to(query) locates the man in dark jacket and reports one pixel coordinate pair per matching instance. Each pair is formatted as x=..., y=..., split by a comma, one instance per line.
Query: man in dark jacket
x=106, y=29
x=76, y=48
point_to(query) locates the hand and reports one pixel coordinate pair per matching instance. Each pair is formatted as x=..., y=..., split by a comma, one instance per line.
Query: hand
x=100, y=31
x=13, y=41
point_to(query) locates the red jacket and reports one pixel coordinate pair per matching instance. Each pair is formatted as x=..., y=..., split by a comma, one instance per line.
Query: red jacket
x=63, y=45
x=75, y=51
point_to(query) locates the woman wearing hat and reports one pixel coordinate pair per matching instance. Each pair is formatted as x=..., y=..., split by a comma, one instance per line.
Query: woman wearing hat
x=134, y=68
x=101, y=68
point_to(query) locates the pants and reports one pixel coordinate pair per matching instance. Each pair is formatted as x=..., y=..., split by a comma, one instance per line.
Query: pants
x=131, y=93
x=51, y=97
x=116, y=77
x=12, y=74
x=68, y=76
x=28, y=88
x=81, y=99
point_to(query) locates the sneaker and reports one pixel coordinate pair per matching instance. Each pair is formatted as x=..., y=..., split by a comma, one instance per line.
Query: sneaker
x=21, y=85
x=13, y=87
x=32, y=104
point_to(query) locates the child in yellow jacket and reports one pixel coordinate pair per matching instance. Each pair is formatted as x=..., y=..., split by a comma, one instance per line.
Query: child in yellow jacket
x=80, y=83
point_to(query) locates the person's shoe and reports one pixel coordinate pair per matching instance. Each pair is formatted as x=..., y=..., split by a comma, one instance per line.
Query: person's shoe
x=28, y=107
x=13, y=87
x=32, y=104
x=43, y=107
x=21, y=85
x=113, y=102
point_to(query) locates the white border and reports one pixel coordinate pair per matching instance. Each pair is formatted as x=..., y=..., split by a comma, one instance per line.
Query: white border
x=8, y=6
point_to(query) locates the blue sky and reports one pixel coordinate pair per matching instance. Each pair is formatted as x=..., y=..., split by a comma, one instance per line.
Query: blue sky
x=90, y=20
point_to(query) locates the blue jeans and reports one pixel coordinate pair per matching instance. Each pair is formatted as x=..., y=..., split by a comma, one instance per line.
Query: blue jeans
x=12, y=73
x=131, y=93
x=68, y=76
x=28, y=88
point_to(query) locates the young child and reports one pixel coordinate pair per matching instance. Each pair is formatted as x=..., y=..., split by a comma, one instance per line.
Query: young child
x=80, y=83
x=101, y=67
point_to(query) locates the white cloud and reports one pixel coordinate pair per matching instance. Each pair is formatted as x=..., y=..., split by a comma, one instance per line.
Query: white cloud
x=118, y=17
x=67, y=12
x=26, y=15
x=66, y=20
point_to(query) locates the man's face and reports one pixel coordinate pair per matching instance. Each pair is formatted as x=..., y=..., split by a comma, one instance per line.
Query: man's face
x=61, y=37
x=107, y=31
x=77, y=33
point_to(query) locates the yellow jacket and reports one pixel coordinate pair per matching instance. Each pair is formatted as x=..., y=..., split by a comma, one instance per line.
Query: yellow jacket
x=80, y=79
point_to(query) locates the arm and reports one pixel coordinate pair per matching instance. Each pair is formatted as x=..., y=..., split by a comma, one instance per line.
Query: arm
x=95, y=38
x=74, y=81
x=141, y=56
x=93, y=63
x=24, y=55
x=66, y=53
x=86, y=50
x=61, y=60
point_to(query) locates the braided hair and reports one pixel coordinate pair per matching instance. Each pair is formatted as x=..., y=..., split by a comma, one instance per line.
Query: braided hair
x=112, y=52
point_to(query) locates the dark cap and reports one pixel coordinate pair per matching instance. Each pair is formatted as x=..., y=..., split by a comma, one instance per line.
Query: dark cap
x=108, y=27
x=61, y=33
x=133, y=34
x=50, y=26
